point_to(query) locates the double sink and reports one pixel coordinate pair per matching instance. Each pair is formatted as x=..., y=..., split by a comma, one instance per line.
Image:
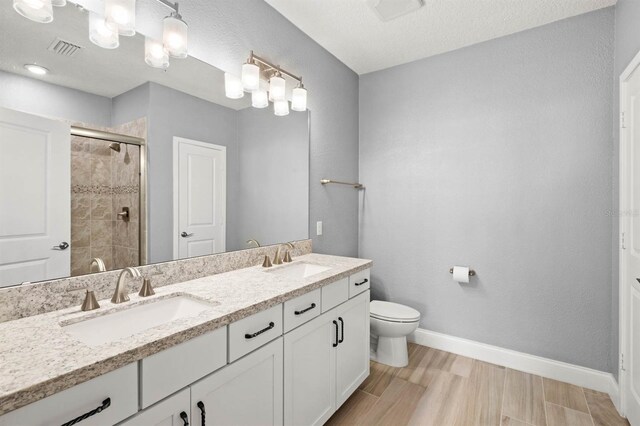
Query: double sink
x=137, y=318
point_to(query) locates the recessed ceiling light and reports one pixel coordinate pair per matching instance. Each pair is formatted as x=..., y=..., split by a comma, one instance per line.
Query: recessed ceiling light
x=392, y=9
x=36, y=69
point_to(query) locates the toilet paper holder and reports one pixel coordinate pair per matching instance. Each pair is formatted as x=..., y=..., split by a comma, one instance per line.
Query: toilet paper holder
x=471, y=272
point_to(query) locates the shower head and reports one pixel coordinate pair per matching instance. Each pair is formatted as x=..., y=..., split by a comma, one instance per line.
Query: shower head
x=115, y=146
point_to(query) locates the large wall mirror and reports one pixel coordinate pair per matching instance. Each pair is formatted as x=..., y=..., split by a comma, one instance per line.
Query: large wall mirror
x=106, y=162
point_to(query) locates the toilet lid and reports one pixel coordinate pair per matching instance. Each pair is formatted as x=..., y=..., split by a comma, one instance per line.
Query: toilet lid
x=393, y=311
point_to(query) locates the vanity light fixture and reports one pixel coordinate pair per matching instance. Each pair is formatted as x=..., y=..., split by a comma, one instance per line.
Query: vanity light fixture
x=299, y=98
x=175, y=33
x=257, y=70
x=37, y=10
x=281, y=108
x=101, y=33
x=36, y=69
x=122, y=15
x=155, y=54
x=259, y=98
x=232, y=86
x=277, y=85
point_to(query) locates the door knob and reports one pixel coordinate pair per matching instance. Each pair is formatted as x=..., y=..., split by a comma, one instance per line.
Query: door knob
x=185, y=235
x=62, y=246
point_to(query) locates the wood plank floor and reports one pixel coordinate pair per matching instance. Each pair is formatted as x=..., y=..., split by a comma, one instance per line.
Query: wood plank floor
x=442, y=389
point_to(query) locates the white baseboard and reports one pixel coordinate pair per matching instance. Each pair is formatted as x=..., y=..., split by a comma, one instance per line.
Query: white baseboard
x=545, y=367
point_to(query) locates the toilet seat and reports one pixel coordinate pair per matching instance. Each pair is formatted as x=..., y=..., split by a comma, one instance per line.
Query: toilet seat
x=393, y=312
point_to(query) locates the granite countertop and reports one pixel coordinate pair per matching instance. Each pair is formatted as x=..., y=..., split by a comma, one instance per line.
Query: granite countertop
x=38, y=358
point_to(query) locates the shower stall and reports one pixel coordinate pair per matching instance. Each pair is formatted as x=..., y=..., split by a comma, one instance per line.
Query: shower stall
x=108, y=200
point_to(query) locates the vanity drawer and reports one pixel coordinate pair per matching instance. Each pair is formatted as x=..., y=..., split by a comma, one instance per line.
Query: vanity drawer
x=301, y=309
x=119, y=386
x=335, y=294
x=359, y=282
x=172, y=369
x=252, y=332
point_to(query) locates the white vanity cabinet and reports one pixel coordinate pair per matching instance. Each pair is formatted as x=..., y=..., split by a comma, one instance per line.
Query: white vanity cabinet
x=173, y=411
x=325, y=361
x=247, y=392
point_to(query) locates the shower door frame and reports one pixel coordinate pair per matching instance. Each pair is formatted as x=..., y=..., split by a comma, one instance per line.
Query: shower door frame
x=131, y=140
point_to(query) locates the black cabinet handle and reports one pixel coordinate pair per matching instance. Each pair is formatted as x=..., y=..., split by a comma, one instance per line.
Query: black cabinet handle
x=257, y=333
x=105, y=404
x=336, y=324
x=203, y=414
x=363, y=282
x=313, y=305
x=184, y=418
x=341, y=328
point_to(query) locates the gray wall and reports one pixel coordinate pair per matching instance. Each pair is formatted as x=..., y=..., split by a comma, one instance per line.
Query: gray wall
x=222, y=33
x=627, y=45
x=41, y=98
x=497, y=156
x=273, y=190
x=173, y=113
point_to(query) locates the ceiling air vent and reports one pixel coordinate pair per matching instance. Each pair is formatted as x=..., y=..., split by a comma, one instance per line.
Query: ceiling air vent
x=392, y=9
x=64, y=48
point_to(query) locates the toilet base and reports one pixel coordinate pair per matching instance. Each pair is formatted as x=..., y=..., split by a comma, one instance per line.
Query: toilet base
x=391, y=351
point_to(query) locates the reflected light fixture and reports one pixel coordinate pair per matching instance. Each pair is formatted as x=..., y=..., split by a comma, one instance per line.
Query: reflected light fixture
x=175, y=34
x=59, y=3
x=122, y=15
x=232, y=86
x=299, y=98
x=37, y=10
x=281, y=108
x=155, y=54
x=259, y=99
x=36, y=69
x=250, y=75
x=102, y=34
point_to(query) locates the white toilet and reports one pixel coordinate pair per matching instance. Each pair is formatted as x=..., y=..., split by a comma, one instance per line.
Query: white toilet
x=391, y=323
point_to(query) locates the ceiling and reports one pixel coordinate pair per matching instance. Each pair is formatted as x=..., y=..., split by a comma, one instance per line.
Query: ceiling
x=352, y=31
x=95, y=70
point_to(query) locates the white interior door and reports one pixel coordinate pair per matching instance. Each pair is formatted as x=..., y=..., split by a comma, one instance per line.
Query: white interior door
x=630, y=247
x=200, y=174
x=35, y=198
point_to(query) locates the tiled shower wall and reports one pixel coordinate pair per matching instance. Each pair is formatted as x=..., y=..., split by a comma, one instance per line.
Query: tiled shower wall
x=102, y=182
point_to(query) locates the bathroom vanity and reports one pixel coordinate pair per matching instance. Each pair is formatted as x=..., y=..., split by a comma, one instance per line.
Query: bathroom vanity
x=281, y=345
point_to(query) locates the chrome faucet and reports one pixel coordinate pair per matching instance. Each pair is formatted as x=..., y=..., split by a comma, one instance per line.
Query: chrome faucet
x=287, y=256
x=120, y=295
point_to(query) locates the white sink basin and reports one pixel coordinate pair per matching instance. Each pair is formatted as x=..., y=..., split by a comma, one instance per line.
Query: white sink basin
x=299, y=270
x=111, y=327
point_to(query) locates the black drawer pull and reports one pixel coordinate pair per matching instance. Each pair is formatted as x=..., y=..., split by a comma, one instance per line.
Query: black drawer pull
x=363, y=282
x=336, y=324
x=203, y=414
x=342, y=328
x=105, y=404
x=184, y=418
x=257, y=333
x=313, y=305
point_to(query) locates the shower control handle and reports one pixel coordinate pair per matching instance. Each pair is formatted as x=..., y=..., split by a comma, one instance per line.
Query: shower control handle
x=62, y=246
x=185, y=235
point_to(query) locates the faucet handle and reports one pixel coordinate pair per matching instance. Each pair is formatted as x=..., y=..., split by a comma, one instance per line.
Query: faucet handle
x=267, y=262
x=146, y=289
x=287, y=257
x=90, y=303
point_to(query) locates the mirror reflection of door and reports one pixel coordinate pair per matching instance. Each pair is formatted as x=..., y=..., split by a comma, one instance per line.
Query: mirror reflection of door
x=199, y=171
x=35, y=227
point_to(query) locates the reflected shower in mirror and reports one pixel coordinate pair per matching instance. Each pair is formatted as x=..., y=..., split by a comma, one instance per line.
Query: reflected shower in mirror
x=106, y=162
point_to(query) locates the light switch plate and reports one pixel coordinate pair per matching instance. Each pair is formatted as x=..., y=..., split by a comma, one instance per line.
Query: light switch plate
x=319, y=227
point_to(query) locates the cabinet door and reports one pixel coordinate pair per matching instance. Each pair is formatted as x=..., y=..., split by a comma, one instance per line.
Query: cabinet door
x=309, y=372
x=352, y=365
x=247, y=392
x=170, y=412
